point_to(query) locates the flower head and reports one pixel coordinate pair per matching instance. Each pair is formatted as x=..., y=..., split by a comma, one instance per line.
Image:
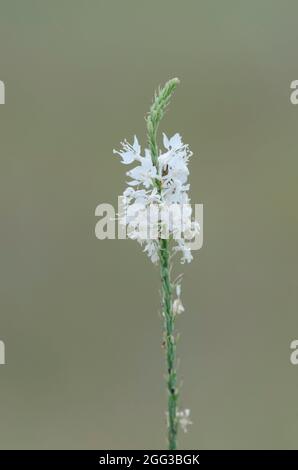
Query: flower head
x=156, y=199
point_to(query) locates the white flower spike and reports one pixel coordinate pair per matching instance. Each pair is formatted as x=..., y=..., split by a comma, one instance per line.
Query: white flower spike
x=175, y=212
x=158, y=215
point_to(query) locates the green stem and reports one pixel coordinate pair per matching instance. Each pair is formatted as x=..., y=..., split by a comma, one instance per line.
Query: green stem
x=153, y=119
x=169, y=322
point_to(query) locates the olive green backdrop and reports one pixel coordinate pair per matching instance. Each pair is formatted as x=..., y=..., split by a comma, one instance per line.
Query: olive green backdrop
x=79, y=316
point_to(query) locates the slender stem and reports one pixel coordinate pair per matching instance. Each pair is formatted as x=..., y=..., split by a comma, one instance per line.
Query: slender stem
x=169, y=325
x=153, y=119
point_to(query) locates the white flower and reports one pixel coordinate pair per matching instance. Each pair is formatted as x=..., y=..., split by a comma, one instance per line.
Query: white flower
x=151, y=249
x=159, y=207
x=172, y=143
x=178, y=307
x=183, y=418
x=129, y=153
x=143, y=174
x=177, y=304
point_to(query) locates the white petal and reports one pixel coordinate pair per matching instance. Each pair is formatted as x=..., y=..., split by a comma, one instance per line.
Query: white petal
x=136, y=146
x=166, y=141
x=175, y=141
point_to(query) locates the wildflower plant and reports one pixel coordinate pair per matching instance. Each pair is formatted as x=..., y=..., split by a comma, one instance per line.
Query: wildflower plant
x=158, y=215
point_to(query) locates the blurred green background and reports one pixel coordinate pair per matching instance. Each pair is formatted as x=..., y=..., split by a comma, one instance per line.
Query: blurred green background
x=79, y=316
